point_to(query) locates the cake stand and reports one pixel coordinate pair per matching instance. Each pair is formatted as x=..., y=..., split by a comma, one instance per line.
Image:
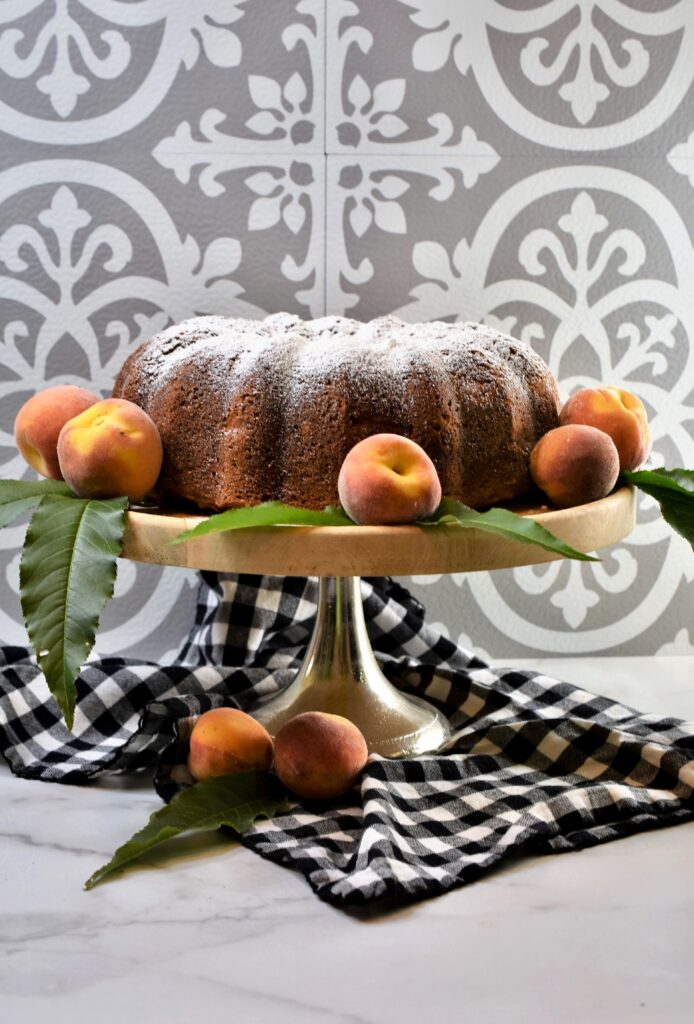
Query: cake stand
x=339, y=673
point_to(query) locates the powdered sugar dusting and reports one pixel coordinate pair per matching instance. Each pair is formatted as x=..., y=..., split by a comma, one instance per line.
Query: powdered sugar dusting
x=306, y=351
x=256, y=410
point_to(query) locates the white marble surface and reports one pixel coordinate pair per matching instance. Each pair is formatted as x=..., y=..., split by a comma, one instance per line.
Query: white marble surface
x=606, y=934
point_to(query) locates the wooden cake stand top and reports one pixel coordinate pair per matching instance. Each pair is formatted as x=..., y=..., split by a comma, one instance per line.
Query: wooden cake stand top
x=371, y=550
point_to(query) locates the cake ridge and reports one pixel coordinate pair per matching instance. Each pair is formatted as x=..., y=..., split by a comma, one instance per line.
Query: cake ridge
x=281, y=400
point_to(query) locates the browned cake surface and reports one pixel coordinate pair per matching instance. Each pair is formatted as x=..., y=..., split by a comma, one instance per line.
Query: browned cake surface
x=253, y=410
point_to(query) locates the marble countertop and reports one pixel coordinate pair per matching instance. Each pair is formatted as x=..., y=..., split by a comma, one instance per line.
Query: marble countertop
x=604, y=934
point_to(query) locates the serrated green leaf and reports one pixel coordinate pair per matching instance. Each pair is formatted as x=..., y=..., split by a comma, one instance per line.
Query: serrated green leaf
x=673, y=489
x=268, y=513
x=18, y=496
x=67, y=573
x=232, y=800
x=505, y=523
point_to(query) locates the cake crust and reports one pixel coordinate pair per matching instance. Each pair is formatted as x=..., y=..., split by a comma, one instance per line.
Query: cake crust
x=252, y=411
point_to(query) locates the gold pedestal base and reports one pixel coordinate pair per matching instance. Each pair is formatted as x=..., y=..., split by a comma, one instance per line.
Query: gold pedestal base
x=340, y=675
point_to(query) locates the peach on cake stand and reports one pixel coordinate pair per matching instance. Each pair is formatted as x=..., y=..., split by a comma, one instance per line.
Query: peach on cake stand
x=340, y=673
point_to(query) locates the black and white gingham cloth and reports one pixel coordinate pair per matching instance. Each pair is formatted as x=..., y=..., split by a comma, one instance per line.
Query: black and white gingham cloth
x=534, y=764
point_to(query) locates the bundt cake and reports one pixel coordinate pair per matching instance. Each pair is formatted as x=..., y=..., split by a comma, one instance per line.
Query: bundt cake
x=251, y=411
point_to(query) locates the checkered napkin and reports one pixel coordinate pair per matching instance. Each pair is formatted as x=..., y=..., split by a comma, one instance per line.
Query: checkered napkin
x=533, y=765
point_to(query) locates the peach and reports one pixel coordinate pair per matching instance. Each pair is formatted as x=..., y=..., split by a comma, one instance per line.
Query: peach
x=225, y=741
x=40, y=421
x=575, y=464
x=112, y=449
x=319, y=756
x=620, y=414
x=387, y=478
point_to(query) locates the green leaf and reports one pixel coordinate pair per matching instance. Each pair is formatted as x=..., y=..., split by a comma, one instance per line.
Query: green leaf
x=449, y=512
x=18, y=496
x=269, y=513
x=673, y=489
x=67, y=574
x=505, y=523
x=233, y=800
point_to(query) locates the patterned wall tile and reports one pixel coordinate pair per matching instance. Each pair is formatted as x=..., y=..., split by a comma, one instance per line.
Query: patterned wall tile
x=276, y=207
x=527, y=162
x=271, y=102
x=681, y=156
x=515, y=614
x=506, y=76
x=587, y=263
x=378, y=206
x=82, y=74
x=91, y=261
x=375, y=100
x=214, y=203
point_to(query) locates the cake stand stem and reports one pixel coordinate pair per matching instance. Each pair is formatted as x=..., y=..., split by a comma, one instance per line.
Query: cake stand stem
x=340, y=675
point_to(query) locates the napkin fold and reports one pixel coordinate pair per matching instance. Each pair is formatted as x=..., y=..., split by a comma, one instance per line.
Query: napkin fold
x=534, y=764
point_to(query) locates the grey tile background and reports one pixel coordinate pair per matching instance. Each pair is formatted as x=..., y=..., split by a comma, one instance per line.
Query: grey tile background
x=525, y=162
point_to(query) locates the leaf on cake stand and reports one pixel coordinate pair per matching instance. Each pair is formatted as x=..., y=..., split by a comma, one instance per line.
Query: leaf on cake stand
x=673, y=489
x=269, y=513
x=67, y=574
x=505, y=523
x=450, y=512
x=232, y=800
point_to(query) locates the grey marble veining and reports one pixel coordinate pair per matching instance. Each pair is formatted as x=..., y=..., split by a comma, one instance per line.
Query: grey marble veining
x=604, y=935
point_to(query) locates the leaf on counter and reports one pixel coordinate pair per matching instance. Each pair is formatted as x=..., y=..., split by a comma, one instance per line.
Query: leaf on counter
x=232, y=800
x=18, y=496
x=268, y=513
x=505, y=523
x=67, y=574
x=673, y=489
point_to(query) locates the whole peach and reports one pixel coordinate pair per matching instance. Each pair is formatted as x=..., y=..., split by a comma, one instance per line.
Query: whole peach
x=40, y=421
x=225, y=741
x=574, y=464
x=620, y=414
x=110, y=450
x=387, y=478
x=319, y=756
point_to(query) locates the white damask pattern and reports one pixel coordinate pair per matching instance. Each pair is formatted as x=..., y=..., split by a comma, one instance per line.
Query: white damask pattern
x=288, y=120
x=584, y=92
x=367, y=117
x=186, y=31
x=682, y=158
x=62, y=84
x=288, y=117
x=588, y=63
x=580, y=246
x=358, y=201
x=61, y=244
x=336, y=156
x=288, y=191
x=191, y=279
